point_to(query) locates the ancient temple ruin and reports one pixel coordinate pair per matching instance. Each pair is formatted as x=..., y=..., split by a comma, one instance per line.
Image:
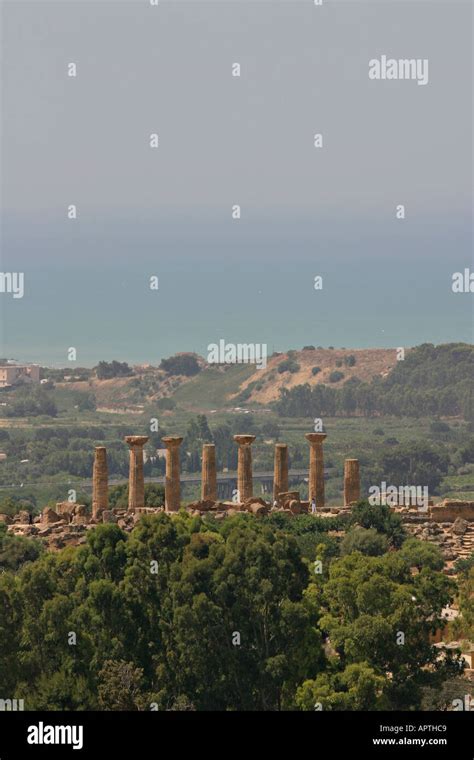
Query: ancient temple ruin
x=450, y=523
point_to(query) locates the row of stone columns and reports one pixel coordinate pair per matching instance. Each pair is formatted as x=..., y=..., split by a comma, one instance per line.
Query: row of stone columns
x=136, y=481
x=136, y=493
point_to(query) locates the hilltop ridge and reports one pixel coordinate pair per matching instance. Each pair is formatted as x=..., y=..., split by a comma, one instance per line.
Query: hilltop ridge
x=221, y=385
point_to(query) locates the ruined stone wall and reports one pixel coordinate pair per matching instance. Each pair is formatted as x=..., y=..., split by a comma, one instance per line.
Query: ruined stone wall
x=449, y=511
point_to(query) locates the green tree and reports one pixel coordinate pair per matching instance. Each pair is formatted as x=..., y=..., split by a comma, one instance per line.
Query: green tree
x=414, y=463
x=357, y=687
x=365, y=540
x=182, y=364
x=378, y=613
x=109, y=370
x=121, y=687
x=421, y=554
x=16, y=550
x=381, y=518
x=240, y=645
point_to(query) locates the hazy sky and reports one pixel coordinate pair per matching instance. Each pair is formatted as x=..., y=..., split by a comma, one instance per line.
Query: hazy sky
x=225, y=141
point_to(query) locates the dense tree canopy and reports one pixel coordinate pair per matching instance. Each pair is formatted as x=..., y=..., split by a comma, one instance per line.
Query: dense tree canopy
x=193, y=614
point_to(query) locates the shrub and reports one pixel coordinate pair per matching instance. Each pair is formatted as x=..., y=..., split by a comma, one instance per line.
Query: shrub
x=365, y=540
x=184, y=364
x=108, y=370
x=288, y=365
x=165, y=403
x=439, y=427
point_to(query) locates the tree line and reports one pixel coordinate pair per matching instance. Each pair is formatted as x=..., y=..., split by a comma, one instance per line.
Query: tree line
x=431, y=381
x=193, y=614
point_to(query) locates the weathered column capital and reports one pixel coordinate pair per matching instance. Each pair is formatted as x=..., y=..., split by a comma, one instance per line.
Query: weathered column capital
x=244, y=440
x=315, y=438
x=172, y=441
x=136, y=440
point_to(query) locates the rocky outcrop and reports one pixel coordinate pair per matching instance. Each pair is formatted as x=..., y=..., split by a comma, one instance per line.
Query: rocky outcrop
x=460, y=526
x=70, y=511
x=455, y=540
x=50, y=516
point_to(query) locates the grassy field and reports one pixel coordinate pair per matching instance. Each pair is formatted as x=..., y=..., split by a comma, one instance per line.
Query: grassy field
x=211, y=388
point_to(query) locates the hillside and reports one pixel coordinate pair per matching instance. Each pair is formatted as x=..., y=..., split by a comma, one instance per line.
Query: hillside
x=130, y=393
x=431, y=379
x=265, y=384
x=220, y=386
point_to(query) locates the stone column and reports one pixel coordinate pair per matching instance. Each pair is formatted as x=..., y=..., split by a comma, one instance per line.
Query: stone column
x=280, y=473
x=316, y=468
x=172, y=483
x=100, y=482
x=136, y=482
x=351, y=481
x=244, y=466
x=209, y=477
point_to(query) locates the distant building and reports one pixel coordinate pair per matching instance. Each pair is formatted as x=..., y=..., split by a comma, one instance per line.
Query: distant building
x=10, y=374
